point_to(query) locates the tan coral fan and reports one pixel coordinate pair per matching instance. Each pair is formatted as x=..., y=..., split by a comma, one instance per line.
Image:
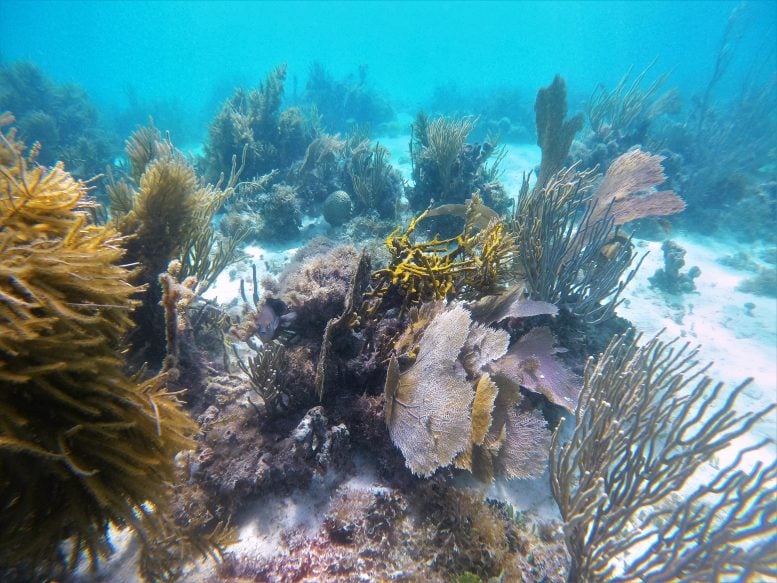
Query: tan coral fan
x=428, y=405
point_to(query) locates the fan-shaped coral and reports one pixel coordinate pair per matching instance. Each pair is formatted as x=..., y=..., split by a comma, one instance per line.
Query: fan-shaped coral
x=531, y=364
x=447, y=408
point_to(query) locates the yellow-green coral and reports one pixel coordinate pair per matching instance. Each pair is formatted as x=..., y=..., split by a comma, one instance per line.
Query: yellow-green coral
x=474, y=262
x=82, y=445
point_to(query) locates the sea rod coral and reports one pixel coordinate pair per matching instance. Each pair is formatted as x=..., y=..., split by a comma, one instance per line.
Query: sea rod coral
x=648, y=420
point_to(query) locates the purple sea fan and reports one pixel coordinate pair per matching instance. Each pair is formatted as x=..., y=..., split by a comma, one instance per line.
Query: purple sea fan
x=531, y=363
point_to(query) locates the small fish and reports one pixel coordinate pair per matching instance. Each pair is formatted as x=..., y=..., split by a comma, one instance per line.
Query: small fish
x=267, y=322
x=270, y=317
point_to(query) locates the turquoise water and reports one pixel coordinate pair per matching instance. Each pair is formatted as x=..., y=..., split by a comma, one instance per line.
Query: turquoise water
x=196, y=52
x=326, y=161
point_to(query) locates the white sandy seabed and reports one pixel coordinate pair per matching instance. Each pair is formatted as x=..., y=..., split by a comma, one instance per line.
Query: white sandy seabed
x=740, y=340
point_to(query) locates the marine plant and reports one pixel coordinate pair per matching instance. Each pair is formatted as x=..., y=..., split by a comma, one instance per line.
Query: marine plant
x=647, y=421
x=572, y=253
x=82, y=444
x=168, y=214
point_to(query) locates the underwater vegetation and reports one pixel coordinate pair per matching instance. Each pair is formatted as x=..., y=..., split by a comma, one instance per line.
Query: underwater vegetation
x=344, y=104
x=82, y=444
x=167, y=213
x=431, y=345
x=647, y=419
x=60, y=117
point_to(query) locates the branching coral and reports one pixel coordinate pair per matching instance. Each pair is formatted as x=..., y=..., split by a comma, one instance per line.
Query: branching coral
x=564, y=261
x=265, y=371
x=82, y=445
x=343, y=103
x=627, y=104
x=571, y=254
x=169, y=214
x=370, y=174
x=554, y=133
x=647, y=420
x=446, y=169
x=444, y=139
x=250, y=120
x=474, y=262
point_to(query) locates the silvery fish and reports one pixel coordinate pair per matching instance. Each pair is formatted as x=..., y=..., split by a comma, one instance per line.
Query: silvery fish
x=270, y=317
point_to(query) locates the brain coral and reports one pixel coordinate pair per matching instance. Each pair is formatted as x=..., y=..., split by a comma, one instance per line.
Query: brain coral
x=337, y=208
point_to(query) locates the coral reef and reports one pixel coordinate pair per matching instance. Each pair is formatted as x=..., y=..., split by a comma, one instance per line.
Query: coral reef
x=448, y=170
x=337, y=208
x=501, y=111
x=669, y=279
x=276, y=214
x=476, y=262
x=554, y=133
x=571, y=254
x=167, y=213
x=59, y=117
x=432, y=532
x=252, y=120
x=343, y=104
x=316, y=289
x=764, y=283
x=82, y=444
x=350, y=165
x=625, y=117
x=616, y=481
x=460, y=402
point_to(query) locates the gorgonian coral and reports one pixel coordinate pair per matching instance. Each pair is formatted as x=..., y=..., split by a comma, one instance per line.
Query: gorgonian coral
x=82, y=444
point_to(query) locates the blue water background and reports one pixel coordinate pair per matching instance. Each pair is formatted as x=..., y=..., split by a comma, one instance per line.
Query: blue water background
x=194, y=53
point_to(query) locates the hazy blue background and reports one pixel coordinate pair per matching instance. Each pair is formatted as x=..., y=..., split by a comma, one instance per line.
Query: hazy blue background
x=197, y=52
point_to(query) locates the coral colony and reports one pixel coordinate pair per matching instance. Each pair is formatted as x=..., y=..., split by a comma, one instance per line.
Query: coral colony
x=445, y=335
